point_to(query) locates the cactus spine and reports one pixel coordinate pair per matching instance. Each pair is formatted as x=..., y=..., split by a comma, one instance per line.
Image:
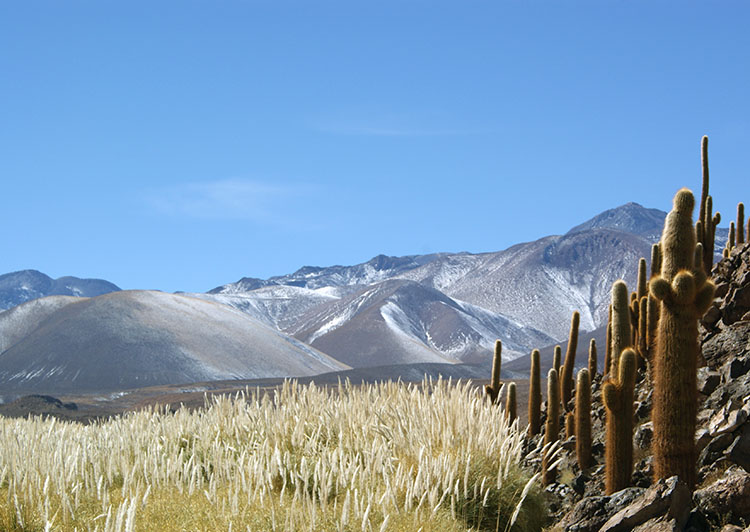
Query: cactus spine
x=566, y=379
x=741, y=224
x=618, y=399
x=583, y=419
x=621, y=336
x=592, y=359
x=685, y=295
x=535, y=396
x=510, y=403
x=493, y=390
x=552, y=426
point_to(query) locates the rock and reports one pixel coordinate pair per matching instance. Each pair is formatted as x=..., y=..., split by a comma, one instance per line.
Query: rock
x=658, y=524
x=643, y=435
x=721, y=290
x=728, y=498
x=670, y=497
x=731, y=528
x=592, y=512
x=737, y=304
x=697, y=522
x=736, y=367
x=702, y=437
x=730, y=342
x=727, y=420
x=714, y=449
x=711, y=317
x=708, y=380
x=739, y=451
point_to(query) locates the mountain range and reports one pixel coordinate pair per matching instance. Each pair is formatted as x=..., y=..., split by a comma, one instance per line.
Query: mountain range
x=441, y=308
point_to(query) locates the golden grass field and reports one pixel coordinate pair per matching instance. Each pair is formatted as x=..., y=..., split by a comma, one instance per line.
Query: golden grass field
x=380, y=457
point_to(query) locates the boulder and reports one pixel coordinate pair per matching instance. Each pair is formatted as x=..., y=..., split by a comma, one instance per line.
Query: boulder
x=668, y=498
x=728, y=498
x=592, y=512
x=739, y=451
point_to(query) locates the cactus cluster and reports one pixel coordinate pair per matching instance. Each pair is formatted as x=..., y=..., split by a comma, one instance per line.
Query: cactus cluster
x=655, y=326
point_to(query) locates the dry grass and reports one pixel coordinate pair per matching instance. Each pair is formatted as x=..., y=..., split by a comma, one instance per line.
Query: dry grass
x=383, y=457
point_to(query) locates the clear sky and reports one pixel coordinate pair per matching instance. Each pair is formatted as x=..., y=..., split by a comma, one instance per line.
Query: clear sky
x=182, y=145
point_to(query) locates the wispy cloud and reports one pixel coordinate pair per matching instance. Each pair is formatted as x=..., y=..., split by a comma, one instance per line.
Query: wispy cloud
x=230, y=199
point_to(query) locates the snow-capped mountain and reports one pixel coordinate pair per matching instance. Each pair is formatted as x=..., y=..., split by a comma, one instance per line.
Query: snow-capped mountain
x=534, y=285
x=400, y=321
x=131, y=339
x=26, y=285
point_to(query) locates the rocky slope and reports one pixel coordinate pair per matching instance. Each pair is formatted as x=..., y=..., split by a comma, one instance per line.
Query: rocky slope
x=722, y=498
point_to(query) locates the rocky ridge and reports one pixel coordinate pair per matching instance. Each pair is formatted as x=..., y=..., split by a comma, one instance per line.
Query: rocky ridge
x=721, y=500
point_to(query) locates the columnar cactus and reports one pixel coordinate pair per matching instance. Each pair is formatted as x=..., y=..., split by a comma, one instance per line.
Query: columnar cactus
x=592, y=359
x=570, y=425
x=552, y=426
x=556, y=358
x=685, y=295
x=643, y=347
x=618, y=399
x=709, y=221
x=566, y=379
x=741, y=223
x=493, y=389
x=655, y=259
x=621, y=336
x=608, y=347
x=583, y=419
x=730, y=240
x=510, y=403
x=535, y=396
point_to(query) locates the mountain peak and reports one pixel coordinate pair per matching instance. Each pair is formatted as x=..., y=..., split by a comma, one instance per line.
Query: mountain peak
x=630, y=217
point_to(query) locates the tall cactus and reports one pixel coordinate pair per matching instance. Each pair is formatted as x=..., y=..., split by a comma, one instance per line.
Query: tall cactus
x=685, y=295
x=608, y=347
x=730, y=240
x=493, y=390
x=535, y=395
x=643, y=348
x=592, y=360
x=618, y=399
x=621, y=335
x=552, y=426
x=570, y=425
x=566, y=379
x=655, y=259
x=741, y=224
x=556, y=357
x=583, y=419
x=709, y=221
x=510, y=403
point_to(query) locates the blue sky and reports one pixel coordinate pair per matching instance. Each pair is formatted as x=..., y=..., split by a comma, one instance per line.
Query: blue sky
x=182, y=145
